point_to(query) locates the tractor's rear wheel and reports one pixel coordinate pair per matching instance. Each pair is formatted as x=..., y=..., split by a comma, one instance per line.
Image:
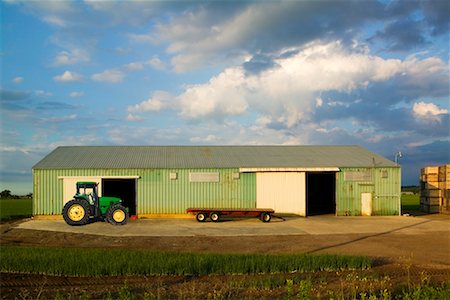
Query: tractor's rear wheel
x=76, y=212
x=117, y=215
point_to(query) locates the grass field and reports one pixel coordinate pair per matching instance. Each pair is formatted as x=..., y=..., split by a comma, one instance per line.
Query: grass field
x=410, y=202
x=15, y=208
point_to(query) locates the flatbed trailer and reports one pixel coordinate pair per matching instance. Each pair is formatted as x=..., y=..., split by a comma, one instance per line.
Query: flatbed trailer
x=215, y=214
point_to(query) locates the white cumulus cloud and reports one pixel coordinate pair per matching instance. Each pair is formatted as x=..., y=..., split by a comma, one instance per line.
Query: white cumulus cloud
x=112, y=75
x=68, y=76
x=428, y=111
x=287, y=90
x=160, y=100
x=134, y=66
x=156, y=63
x=133, y=118
x=71, y=57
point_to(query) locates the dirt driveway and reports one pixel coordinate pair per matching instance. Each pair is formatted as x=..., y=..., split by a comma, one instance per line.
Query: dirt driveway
x=405, y=248
x=423, y=240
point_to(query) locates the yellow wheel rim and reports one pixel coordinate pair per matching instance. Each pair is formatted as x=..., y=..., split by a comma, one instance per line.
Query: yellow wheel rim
x=76, y=212
x=119, y=216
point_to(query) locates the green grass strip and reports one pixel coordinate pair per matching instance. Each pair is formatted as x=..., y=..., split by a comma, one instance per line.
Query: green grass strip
x=15, y=208
x=112, y=262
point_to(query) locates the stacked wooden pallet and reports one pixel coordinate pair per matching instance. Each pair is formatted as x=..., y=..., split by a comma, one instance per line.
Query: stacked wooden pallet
x=435, y=189
x=444, y=187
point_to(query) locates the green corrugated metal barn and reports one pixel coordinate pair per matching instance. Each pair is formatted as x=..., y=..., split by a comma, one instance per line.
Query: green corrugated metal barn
x=165, y=180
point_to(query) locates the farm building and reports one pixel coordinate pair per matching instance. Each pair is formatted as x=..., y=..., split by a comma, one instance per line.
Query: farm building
x=162, y=180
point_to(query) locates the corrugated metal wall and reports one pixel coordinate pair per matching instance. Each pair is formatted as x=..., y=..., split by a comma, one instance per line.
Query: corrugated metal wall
x=383, y=183
x=156, y=192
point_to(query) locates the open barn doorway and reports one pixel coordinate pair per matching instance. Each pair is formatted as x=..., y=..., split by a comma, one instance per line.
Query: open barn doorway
x=320, y=193
x=124, y=189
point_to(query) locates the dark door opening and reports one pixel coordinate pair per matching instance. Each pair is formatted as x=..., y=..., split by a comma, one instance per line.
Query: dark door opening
x=124, y=189
x=320, y=193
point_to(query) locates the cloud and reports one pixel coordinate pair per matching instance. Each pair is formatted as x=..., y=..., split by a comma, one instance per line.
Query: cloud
x=135, y=13
x=215, y=32
x=156, y=63
x=111, y=75
x=223, y=95
x=41, y=93
x=428, y=111
x=402, y=34
x=68, y=76
x=209, y=139
x=8, y=95
x=18, y=80
x=133, y=118
x=320, y=93
x=143, y=38
x=123, y=51
x=71, y=57
x=54, y=105
x=287, y=89
x=160, y=100
x=436, y=16
x=55, y=21
x=60, y=119
x=76, y=94
x=134, y=66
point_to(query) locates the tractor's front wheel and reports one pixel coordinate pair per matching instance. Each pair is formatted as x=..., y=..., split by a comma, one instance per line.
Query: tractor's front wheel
x=76, y=212
x=117, y=215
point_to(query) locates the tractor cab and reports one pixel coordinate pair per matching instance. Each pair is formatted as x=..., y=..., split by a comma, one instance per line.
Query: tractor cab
x=87, y=191
x=87, y=206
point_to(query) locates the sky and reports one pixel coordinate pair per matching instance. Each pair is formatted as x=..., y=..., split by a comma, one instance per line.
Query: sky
x=368, y=73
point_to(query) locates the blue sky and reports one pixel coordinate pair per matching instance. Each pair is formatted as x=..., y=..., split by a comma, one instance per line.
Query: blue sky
x=372, y=73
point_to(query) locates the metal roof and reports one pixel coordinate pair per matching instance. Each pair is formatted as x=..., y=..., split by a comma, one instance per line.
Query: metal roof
x=137, y=157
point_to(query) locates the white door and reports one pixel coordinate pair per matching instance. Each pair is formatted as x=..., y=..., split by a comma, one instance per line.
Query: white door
x=366, y=204
x=70, y=186
x=285, y=192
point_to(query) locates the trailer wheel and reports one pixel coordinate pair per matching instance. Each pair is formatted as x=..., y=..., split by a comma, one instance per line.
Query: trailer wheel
x=201, y=217
x=266, y=217
x=76, y=212
x=214, y=216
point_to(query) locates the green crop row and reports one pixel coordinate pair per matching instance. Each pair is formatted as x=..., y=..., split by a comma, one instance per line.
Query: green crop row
x=99, y=262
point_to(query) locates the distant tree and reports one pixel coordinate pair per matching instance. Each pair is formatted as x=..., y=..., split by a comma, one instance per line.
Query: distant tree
x=5, y=194
x=30, y=195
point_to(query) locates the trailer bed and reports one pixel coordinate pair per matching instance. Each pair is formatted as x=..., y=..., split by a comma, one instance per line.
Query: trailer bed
x=215, y=214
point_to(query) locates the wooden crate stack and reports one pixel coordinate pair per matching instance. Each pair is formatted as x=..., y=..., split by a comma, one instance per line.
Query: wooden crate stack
x=435, y=189
x=444, y=187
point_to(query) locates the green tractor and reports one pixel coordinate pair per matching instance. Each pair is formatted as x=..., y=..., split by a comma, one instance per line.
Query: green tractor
x=87, y=206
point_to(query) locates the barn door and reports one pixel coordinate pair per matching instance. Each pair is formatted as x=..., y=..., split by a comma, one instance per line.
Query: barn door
x=366, y=204
x=285, y=192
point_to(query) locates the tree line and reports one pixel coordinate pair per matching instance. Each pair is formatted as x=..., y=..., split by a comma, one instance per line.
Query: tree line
x=7, y=194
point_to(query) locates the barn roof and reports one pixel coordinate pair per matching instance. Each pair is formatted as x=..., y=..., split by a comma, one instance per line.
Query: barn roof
x=137, y=157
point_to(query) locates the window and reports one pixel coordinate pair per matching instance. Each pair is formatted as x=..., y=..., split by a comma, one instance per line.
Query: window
x=358, y=176
x=204, y=177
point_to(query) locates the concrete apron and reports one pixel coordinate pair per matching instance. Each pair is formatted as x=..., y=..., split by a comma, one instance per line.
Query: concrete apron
x=317, y=225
